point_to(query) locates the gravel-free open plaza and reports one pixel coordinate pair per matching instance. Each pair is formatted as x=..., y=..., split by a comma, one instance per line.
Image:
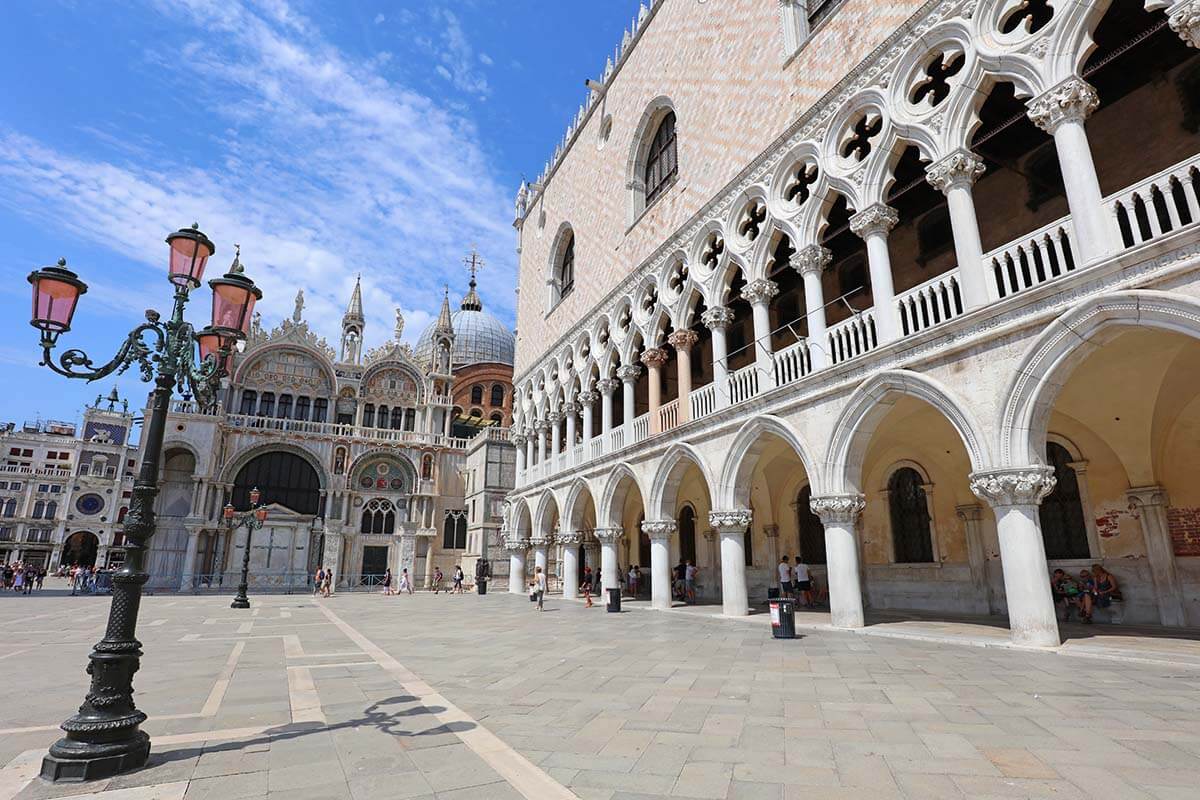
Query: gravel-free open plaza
x=424, y=696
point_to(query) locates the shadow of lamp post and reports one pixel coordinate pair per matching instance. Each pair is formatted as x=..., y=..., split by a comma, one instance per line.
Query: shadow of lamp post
x=104, y=737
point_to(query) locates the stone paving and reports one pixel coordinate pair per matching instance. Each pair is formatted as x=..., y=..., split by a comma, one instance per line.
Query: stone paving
x=453, y=697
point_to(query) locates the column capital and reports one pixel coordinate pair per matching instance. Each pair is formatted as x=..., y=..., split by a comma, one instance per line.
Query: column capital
x=683, y=339
x=1072, y=100
x=554, y=417
x=570, y=409
x=518, y=436
x=760, y=290
x=1184, y=19
x=969, y=512
x=654, y=357
x=838, y=508
x=542, y=425
x=588, y=398
x=516, y=546
x=873, y=219
x=737, y=519
x=569, y=538
x=960, y=168
x=1141, y=496
x=1013, y=486
x=717, y=317
x=659, y=529
x=608, y=535
x=538, y=540
x=812, y=259
x=607, y=386
x=629, y=372
x=771, y=531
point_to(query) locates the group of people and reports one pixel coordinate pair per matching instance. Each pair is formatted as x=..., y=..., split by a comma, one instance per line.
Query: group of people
x=796, y=582
x=23, y=578
x=1095, y=588
x=323, y=582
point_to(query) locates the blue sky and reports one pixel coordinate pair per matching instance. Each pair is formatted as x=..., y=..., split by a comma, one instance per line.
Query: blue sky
x=327, y=137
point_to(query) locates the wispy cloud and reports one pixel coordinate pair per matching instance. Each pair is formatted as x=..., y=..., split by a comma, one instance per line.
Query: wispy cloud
x=324, y=167
x=458, y=58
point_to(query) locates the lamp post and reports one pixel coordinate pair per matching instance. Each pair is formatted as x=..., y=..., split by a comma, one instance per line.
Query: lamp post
x=104, y=738
x=251, y=520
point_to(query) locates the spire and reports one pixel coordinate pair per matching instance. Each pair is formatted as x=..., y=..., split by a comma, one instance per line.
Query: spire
x=471, y=301
x=355, y=309
x=444, y=325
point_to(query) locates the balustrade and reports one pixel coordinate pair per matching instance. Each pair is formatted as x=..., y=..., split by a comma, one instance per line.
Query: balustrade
x=1158, y=205
x=852, y=337
x=743, y=384
x=792, y=363
x=931, y=303
x=703, y=400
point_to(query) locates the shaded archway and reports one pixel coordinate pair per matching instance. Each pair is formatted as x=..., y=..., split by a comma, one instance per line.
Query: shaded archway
x=80, y=549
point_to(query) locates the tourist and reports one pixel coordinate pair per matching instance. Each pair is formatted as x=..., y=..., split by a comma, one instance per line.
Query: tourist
x=1105, y=589
x=596, y=582
x=631, y=582
x=327, y=584
x=1064, y=588
x=586, y=587
x=458, y=579
x=41, y=578
x=677, y=577
x=319, y=581
x=18, y=579
x=539, y=587
x=785, y=578
x=405, y=583
x=436, y=585
x=802, y=583
x=31, y=573
x=387, y=581
x=689, y=583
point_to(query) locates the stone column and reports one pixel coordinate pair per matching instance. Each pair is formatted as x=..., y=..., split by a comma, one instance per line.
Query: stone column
x=543, y=425
x=654, y=358
x=554, y=418
x=839, y=514
x=628, y=375
x=683, y=341
x=714, y=559
x=1150, y=503
x=873, y=224
x=609, y=538
x=189, y=559
x=606, y=386
x=811, y=262
x=516, y=565
x=1014, y=493
x=731, y=526
x=570, y=563
x=758, y=294
x=718, y=319
x=541, y=545
x=954, y=176
x=572, y=412
x=519, y=440
x=530, y=439
x=1184, y=19
x=660, y=532
x=587, y=403
x=971, y=515
x=1061, y=111
x=772, y=534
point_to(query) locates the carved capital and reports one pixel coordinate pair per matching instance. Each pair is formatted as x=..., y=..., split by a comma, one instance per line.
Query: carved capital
x=874, y=219
x=518, y=437
x=516, y=547
x=570, y=409
x=1014, y=486
x=683, y=339
x=659, y=529
x=960, y=168
x=717, y=317
x=735, y=519
x=971, y=512
x=629, y=372
x=1072, y=100
x=838, y=509
x=588, y=398
x=812, y=259
x=1184, y=19
x=609, y=536
x=1140, y=497
x=554, y=417
x=542, y=425
x=607, y=386
x=760, y=290
x=654, y=357
x=570, y=538
x=771, y=531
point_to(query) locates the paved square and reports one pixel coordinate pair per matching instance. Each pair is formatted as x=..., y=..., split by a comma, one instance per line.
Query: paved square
x=466, y=696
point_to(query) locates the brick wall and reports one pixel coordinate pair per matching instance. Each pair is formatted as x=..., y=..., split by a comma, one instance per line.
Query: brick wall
x=1185, y=530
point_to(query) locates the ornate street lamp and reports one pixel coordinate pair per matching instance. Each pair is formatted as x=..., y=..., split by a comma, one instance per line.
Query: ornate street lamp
x=251, y=520
x=104, y=738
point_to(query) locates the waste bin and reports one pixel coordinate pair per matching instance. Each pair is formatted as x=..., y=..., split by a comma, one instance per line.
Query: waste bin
x=614, y=600
x=783, y=618
x=481, y=585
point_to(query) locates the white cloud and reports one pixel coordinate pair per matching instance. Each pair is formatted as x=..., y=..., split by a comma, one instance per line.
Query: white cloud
x=486, y=59
x=323, y=168
x=458, y=57
x=380, y=19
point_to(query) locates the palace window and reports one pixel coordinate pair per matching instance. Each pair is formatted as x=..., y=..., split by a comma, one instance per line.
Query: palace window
x=302, y=407
x=38, y=509
x=397, y=419
x=497, y=395
x=320, y=409
x=662, y=163
x=476, y=394
x=10, y=507
x=381, y=417
x=912, y=537
x=369, y=415
x=821, y=10
x=566, y=268
x=454, y=531
x=379, y=516
x=410, y=419
x=249, y=402
x=266, y=405
x=285, y=406
x=1061, y=513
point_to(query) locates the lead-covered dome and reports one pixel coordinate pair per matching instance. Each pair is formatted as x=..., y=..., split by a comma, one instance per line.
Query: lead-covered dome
x=479, y=337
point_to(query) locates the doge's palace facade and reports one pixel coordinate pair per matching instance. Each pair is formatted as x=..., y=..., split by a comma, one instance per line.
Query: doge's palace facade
x=907, y=290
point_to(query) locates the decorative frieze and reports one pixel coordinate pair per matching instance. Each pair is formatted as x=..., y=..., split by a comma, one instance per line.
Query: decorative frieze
x=838, y=509
x=1013, y=486
x=1073, y=100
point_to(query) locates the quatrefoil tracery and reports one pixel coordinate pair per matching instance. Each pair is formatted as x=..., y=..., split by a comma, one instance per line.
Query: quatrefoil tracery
x=753, y=216
x=858, y=138
x=1034, y=14
x=935, y=86
x=713, y=248
x=800, y=183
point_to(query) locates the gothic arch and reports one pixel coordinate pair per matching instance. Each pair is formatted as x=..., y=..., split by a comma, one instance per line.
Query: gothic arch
x=656, y=111
x=578, y=493
x=870, y=403
x=733, y=491
x=608, y=513
x=1066, y=342
x=547, y=505
x=664, y=489
x=522, y=520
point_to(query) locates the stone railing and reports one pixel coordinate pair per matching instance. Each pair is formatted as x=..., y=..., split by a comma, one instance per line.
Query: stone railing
x=932, y=302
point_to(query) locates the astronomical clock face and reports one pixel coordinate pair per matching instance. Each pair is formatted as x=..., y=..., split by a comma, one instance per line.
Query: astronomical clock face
x=382, y=476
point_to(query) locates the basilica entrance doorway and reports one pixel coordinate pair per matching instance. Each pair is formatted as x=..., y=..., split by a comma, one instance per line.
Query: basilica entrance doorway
x=374, y=562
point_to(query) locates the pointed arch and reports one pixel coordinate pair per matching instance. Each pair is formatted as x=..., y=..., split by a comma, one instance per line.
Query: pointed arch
x=547, y=506
x=664, y=489
x=579, y=493
x=521, y=526
x=609, y=511
x=1066, y=342
x=733, y=491
x=870, y=403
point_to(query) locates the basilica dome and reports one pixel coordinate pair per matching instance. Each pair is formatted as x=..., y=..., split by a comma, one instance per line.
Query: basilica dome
x=479, y=337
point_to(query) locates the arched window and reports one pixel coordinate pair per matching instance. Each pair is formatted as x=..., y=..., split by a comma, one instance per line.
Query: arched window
x=912, y=538
x=1061, y=513
x=477, y=394
x=427, y=467
x=381, y=417
x=410, y=419
x=302, y=403
x=661, y=163
x=497, y=417
x=320, y=409
x=285, y=406
x=249, y=402
x=51, y=509
x=38, y=508
x=369, y=415
x=687, y=534
x=339, y=461
x=454, y=531
x=566, y=266
x=378, y=516
x=10, y=507
x=497, y=395
x=282, y=477
x=397, y=418
x=812, y=530
x=266, y=405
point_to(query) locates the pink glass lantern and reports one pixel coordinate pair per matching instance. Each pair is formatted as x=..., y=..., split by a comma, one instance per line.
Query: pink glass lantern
x=234, y=296
x=216, y=342
x=190, y=251
x=229, y=511
x=56, y=291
